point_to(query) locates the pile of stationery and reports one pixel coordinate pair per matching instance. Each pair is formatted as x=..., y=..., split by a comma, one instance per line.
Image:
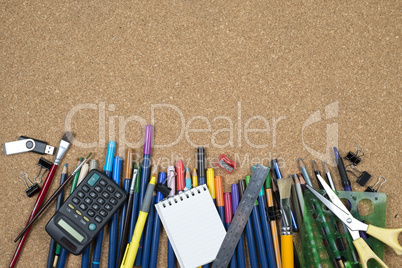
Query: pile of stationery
x=206, y=226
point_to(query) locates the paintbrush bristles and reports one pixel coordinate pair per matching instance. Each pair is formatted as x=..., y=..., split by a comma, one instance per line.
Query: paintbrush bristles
x=284, y=186
x=68, y=137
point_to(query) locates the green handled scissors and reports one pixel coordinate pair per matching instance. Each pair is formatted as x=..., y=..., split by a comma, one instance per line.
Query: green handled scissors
x=387, y=236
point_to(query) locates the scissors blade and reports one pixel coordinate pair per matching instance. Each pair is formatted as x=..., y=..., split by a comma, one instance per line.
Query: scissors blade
x=332, y=196
x=344, y=216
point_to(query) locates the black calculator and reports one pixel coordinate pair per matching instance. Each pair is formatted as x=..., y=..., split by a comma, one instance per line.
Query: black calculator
x=86, y=211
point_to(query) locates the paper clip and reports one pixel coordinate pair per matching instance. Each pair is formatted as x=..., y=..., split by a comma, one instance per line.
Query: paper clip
x=371, y=189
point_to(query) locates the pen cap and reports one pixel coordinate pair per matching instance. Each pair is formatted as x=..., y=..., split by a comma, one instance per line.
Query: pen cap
x=148, y=139
x=116, y=169
x=109, y=156
x=171, y=174
x=235, y=197
x=162, y=178
x=180, y=175
x=201, y=161
x=268, y=182
x=219, y=191
x=211, y=182
x=242, y=188
x=128, y=166
x=93, y=164
x=247, y=182
x=138, y=180
x=227, y=197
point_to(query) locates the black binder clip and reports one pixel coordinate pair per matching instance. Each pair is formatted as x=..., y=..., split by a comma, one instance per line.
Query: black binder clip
x=354, y=158
x=371, y=189
x=163, y=189
x=364, y=176
x=45, y=164
x=31, y=190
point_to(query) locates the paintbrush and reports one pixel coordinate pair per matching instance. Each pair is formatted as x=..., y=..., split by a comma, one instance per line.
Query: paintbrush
x=64, y=144
x=54, y=195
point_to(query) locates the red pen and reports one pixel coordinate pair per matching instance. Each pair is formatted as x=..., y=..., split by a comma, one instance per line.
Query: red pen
x=181, y=183
x=64, y=144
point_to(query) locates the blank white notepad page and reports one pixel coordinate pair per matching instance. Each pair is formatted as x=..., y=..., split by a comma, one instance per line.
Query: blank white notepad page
x=193, y=226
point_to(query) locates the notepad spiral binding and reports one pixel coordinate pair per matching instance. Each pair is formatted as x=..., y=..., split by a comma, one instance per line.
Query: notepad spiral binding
x=169, y=201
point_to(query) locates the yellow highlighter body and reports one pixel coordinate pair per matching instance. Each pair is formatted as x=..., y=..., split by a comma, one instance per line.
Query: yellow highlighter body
x=132, y=248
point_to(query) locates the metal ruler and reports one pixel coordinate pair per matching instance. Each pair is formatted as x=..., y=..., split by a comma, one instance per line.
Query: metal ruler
x=239, y=221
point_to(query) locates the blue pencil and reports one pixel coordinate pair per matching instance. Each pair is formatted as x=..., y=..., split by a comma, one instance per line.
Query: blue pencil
x=262, y=253
x=107, y=168
x=153, y=259
x=60, y=198
x=252, y=251
x=146, y=166
x=113, y=228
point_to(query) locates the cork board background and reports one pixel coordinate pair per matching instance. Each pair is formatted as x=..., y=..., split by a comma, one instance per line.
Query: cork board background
x=308, y=75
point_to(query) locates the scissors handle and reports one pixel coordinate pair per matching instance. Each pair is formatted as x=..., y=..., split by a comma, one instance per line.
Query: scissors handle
x=366, y=253
x=387, y=236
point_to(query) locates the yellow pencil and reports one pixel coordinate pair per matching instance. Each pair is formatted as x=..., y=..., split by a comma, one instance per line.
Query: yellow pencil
x=195, y=178
x=132, y=248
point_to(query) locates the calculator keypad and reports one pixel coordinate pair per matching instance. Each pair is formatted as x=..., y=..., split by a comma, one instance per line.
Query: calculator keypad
x=95, y=199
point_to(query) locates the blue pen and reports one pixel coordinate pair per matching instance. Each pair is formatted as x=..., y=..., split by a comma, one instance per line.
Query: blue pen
x=262, y=253
x=107, y=168
x=201, y=165
x=146, y=166
x=113, y=227
x=153, y=259
x=128, y=168
x=266, y=228
x=252, y=251
x=241, y=259
x=279, y=176
x=146, y=251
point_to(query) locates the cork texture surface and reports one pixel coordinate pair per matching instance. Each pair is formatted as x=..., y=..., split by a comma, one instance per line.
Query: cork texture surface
x=251, y=79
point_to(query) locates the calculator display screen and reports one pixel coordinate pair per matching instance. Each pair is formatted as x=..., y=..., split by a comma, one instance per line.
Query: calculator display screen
x=70, y=230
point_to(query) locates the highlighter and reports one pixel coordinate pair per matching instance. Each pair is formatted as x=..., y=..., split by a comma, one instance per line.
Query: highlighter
x=211, y=183
x=220, y=204
x=227, y=199
x=132, y=248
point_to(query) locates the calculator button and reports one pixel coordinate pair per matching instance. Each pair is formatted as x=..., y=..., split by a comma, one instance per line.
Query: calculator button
x=80, y=194
x=98, y=188
x=88, y=200
x=106, y=195
x=103, y=213
x=118, y=195
x=101, y=200
x=85, y=188
x=98, y=219
x=83, y=206
x=91, y=213
x=103, y=182
x=76, y=200
x=92, y=226
x=110, y=188
x=94, y=178
x=71, y=206
x=96, y=207
x=113, y=201
x=86, y=218
x=93, y=194
x=108, y=207
x=78, y=212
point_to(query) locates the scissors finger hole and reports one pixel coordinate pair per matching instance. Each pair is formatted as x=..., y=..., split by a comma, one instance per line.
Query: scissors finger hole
x=365, y=207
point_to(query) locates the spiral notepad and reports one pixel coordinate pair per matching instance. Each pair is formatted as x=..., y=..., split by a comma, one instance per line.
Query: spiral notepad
x=193, y=226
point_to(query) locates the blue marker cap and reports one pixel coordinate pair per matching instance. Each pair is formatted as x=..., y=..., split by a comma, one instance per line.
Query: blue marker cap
x=109, y=156
x=235, y=197
x=162, y=178
x=116, y=169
